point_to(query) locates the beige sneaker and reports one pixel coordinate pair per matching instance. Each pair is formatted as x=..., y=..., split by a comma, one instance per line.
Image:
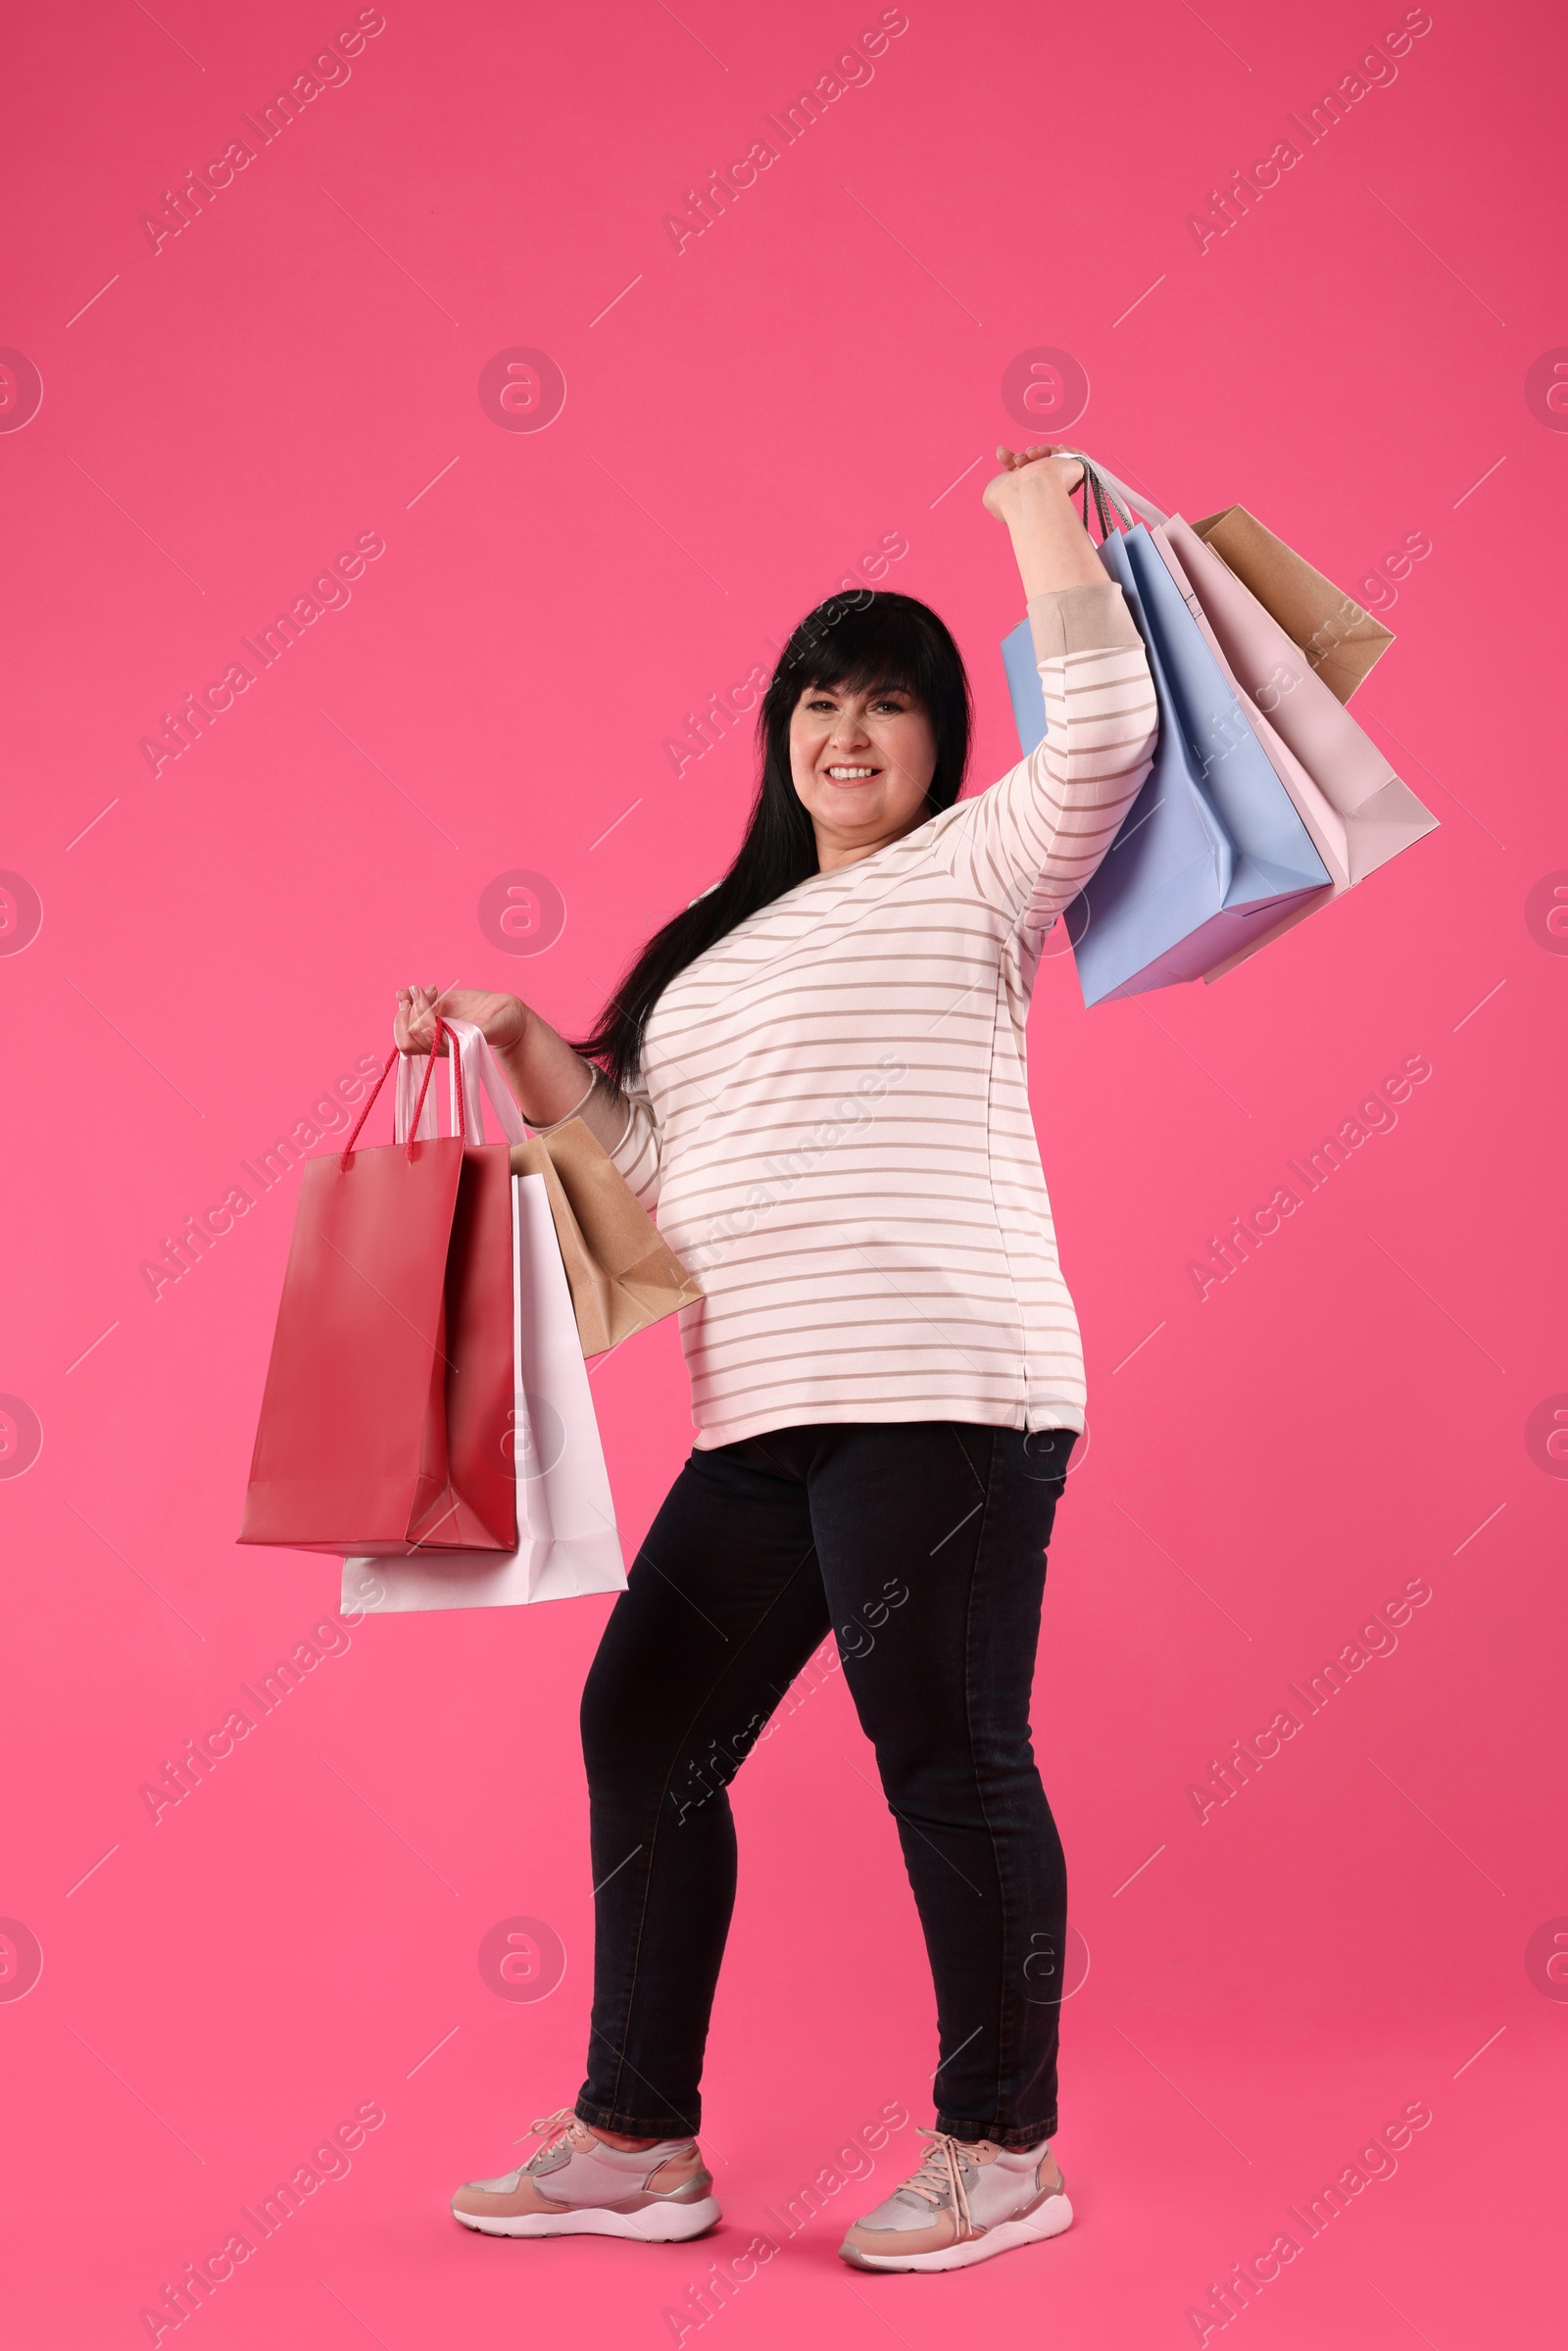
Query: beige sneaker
x=962, y=2204
x=575, y=2186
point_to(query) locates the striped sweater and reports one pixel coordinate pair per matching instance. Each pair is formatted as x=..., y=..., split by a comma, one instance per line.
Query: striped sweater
x=832, y=1117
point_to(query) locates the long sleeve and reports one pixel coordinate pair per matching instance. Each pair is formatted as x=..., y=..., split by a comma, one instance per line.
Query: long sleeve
x=1034, y=839
x=637, y=1154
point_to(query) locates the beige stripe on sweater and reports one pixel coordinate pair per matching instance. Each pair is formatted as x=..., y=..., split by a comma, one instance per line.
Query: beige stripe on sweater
x=832, y=1120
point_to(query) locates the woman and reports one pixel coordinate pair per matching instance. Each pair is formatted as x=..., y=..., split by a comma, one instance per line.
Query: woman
x=816, y=1075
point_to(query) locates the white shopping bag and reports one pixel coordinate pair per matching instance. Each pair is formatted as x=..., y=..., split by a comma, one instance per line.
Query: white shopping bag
x=567, y=1543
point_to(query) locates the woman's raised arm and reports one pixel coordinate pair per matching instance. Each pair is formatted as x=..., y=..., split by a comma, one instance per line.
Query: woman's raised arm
x=1035, y=838
x=1033, y=496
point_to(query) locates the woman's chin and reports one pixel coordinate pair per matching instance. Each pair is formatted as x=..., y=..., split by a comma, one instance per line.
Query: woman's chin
x=860, y=809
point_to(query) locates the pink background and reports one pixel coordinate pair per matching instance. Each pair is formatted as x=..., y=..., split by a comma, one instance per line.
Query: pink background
x=1367, y=1401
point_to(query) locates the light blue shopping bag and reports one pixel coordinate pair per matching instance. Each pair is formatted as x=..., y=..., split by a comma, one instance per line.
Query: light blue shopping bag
x=1214, y=844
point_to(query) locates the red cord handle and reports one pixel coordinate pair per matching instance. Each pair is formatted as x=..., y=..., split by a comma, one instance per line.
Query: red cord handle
x=441, y=1030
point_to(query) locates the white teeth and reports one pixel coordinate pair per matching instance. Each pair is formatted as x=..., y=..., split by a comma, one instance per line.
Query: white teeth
x=849, y=774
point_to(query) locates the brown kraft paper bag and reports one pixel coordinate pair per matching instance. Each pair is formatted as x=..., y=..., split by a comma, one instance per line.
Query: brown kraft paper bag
x=621, y=1275
x=1338, y=636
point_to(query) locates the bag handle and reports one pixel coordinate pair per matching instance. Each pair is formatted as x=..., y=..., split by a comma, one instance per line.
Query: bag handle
x=413, y=1125
x=1125, y=504
x=482, y=1075
x=474, y=1071
x=1089, y=481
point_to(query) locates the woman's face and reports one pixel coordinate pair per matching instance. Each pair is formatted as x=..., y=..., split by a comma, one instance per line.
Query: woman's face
x=862, y=763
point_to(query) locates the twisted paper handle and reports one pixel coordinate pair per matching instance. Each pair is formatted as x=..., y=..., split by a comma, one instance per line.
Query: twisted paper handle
x=1125, y=504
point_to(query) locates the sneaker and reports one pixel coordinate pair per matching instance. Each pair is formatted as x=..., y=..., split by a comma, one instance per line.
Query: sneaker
x=962, y=2204
x=575, y=2186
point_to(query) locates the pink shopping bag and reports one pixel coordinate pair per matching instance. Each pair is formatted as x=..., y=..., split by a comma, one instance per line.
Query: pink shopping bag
x=1359, y=813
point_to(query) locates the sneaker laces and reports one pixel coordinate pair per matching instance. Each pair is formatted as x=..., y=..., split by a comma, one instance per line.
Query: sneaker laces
x=553, y=2131
x=939, y=2174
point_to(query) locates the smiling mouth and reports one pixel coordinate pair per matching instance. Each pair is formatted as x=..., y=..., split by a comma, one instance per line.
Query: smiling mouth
x=845, y=774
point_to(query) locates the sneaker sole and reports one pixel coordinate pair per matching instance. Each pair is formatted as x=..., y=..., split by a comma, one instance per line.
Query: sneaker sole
x=653, y=2225
x=1046, y=2221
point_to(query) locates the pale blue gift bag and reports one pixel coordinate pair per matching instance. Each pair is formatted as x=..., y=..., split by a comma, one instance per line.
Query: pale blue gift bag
x=1212, y=845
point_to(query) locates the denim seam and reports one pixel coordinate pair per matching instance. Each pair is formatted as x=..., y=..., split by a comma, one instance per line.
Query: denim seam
x=979, y=1788
x=1006, y=2010
x=658, y=1819
x=964, y=1451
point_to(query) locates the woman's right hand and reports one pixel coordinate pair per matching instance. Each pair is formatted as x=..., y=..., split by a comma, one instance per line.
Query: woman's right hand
x=502, y=1020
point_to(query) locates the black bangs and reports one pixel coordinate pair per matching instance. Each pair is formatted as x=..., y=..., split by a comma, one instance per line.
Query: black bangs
x=856, y=645
x=865, y=639
x=861, y=639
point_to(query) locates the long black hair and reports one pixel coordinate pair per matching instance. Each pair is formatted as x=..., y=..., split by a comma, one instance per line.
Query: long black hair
x=867, y=638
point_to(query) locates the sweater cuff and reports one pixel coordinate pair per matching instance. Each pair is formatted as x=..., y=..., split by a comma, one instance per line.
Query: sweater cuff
x=1086, y=619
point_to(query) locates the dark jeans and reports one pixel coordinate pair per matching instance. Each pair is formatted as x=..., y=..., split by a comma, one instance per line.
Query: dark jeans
x=922, y=1544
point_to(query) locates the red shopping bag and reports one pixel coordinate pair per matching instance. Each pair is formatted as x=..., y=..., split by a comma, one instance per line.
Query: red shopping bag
x=388, y=1403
